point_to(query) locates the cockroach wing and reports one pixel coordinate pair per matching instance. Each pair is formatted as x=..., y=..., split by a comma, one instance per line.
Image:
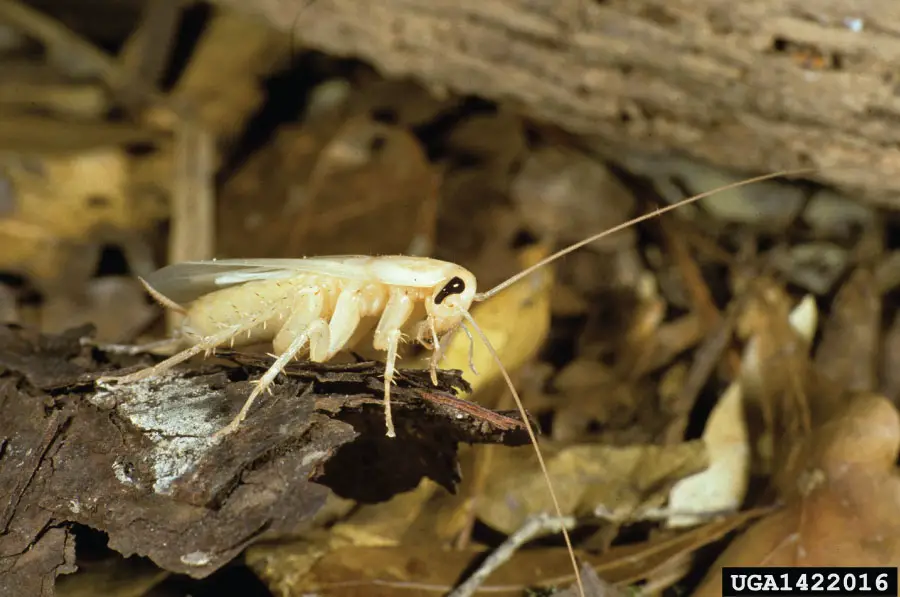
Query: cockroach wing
x=189, y=280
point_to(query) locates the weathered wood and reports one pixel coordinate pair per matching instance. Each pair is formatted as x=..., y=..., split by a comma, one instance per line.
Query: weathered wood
x=754, y=86
x=139, y=462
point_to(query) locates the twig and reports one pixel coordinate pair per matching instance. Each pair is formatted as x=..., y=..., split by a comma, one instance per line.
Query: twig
x=193, y=197
x=533, y=527
x=146, y=53
x=56, y=36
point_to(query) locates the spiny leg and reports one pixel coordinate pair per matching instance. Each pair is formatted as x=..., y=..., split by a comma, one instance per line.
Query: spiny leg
x=303, y=326
x=387, y=337
x=436, y=354
x=471, y=348
x=393, y=340
x=206, y=344
x=317, y=332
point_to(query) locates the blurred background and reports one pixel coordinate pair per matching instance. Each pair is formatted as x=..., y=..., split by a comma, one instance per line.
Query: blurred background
x=685, y=373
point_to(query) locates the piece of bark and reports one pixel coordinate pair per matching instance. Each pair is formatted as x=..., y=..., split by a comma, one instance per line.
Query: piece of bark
x=757, y=86
x=138, y=462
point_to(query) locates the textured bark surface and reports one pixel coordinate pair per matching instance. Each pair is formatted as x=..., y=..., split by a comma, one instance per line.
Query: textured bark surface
x=754, y=86
x=140, y=464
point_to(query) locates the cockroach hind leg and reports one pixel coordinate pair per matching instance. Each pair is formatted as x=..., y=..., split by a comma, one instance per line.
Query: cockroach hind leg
x=313, y=333
x=266, y=386
x=208, y=343
x=228, y=429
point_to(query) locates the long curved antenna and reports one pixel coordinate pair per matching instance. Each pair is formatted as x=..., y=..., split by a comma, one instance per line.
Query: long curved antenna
x=534, y=443
x=481, y=296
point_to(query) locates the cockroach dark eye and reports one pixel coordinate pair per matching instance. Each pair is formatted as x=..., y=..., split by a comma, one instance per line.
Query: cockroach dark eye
x=454, y=286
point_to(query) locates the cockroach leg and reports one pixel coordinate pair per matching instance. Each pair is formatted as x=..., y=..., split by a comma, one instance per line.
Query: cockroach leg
x=387, y=337
x=308, y=308
x=436, y=354
x=206, y=344
x=344, y=320
x=318, y=329
x=421, y=332
x=471, y=349
x=304, y=326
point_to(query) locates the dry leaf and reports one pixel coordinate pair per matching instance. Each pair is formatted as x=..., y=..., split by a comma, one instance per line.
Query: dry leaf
x=383, y=524
x=847, y=356
x=566, y=196
x=842, y=499
x=620, y=483
x=775, y=370
x=363, y=194
x=721, y=487
x=115, y=577
x=590, y=396
x=116, y=306
x=66, y=203
x=424, y=569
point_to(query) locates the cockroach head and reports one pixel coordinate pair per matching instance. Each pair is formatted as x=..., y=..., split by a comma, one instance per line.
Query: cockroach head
x=450, y=298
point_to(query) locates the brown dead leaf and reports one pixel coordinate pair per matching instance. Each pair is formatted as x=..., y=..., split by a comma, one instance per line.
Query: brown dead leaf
x=67, y=202
x=890, y=361
x=363, y=194
x=846, y=359
x=356, y=186
x=722, y=486
x=70, y=196
x=424, y=568
x=383, y=524
x=591, y=395
x=775, y=372
x=842, y=494
x=116, y=306
x=113, y=577
x=566, y=196
x=616, y=482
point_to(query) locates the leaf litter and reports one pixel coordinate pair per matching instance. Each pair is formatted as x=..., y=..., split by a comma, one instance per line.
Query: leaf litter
x=727, y=364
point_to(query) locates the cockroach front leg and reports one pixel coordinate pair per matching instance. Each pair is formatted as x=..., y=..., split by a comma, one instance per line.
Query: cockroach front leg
x=387, y=337
x=304, y=326
x=427, y=336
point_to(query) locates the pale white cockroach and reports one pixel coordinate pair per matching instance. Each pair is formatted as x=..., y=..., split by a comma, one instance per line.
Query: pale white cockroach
x=317, y=307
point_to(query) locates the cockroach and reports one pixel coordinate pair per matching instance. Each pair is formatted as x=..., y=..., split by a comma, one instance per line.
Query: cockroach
x=316, y=307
